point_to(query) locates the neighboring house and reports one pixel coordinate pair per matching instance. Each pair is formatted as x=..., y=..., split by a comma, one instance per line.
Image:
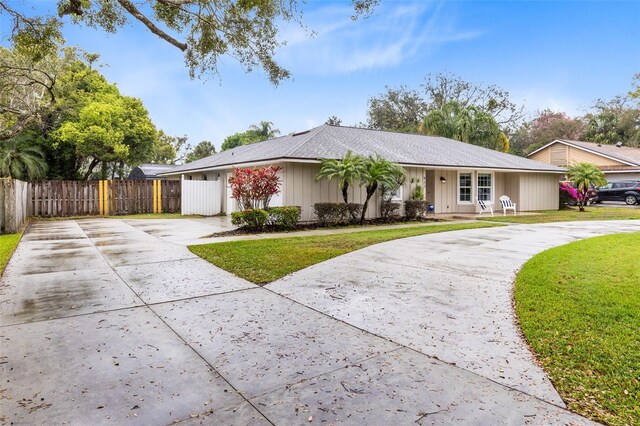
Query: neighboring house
x=149, y=171
x=451, y=172
x=617, y=162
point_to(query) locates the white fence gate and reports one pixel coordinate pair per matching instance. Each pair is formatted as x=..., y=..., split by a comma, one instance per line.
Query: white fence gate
x=201, y=197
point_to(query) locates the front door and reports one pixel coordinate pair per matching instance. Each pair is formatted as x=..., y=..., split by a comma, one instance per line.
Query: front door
x=232, y=204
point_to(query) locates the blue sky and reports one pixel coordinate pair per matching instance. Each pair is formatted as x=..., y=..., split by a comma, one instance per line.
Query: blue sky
x=560, y=55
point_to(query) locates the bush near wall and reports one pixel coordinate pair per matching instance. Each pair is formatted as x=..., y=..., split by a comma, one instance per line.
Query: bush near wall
x=274, y=217
x=337, y=213
x=414, y=209
x=286, y=217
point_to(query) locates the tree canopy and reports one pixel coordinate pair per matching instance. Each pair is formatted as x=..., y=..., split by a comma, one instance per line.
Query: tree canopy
x=256, y=133
x=203, y=30
x=202, y=150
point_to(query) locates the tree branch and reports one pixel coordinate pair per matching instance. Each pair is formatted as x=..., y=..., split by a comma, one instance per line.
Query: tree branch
x=129, y=7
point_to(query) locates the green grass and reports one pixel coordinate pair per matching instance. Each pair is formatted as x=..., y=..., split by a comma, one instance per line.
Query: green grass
x=591, y=213
x=263, y=261
x=8, y=244
x=579, y=308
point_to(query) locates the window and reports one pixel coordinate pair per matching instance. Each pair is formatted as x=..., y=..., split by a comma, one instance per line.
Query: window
x=395, y=195
x=464, y=187
x=485, y=186
x=204, y=176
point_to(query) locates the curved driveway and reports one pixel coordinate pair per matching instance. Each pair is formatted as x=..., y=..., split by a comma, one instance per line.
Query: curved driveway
x=104, y=322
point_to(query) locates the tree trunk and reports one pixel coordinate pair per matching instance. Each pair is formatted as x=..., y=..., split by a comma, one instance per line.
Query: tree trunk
x=370, y=191
x=92, y=166
x=345, y=194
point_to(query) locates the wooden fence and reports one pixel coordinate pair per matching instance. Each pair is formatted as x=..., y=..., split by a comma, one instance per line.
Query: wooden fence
x=117, y=197
x=13, y=205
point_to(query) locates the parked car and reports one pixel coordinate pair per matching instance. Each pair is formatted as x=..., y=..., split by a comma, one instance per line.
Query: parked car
x=624, y=190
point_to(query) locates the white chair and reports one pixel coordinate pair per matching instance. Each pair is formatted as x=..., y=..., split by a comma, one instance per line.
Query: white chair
x=485, y=207
x=507, y=204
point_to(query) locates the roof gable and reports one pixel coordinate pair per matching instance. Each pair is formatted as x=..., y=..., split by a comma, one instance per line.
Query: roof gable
x=627, y=155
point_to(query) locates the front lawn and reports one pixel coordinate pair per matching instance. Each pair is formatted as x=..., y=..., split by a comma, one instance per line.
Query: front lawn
x=8, y=244
x=579, y=308
x=264, y=261
x=571, y=215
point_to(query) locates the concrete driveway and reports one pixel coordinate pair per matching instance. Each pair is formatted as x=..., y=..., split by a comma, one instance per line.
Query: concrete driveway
x=104, y=323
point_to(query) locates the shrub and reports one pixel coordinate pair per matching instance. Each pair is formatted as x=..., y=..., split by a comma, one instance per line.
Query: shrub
x=414, y=209
x=253, y=188
x=284, y=217
x=389, y=208
x=255, y=219
x=336, y=213
x=569, y=196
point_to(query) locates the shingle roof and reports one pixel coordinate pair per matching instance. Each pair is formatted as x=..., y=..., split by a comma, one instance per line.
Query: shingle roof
x=334, y=141
x=623, y=153
x=154, y=169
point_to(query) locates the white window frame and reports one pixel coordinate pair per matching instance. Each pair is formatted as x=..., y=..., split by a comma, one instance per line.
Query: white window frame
x=492, y=187
x=471, y=187
x=397, y=194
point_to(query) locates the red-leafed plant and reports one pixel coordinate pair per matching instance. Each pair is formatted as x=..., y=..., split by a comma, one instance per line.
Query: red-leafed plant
x=254, y=187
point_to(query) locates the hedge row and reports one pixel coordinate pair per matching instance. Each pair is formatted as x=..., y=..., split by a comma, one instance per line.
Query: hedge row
x=337, y=213
x=277, y=217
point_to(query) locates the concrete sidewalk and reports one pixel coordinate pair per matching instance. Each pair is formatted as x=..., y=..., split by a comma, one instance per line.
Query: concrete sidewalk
x=103, y=323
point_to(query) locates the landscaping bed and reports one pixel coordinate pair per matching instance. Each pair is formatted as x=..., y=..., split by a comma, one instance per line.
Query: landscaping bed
x=579, y=309
x=265, y=260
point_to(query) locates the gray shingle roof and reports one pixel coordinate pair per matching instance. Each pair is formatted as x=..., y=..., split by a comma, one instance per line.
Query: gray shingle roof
x=334, y=141
x=154, y=169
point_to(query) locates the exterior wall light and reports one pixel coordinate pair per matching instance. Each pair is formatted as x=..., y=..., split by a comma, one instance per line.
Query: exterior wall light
x=442, y=179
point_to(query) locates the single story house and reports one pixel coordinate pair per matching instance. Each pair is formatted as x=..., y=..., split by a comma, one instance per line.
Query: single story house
x=451, y=172
x=617, y=162
x=149, y=171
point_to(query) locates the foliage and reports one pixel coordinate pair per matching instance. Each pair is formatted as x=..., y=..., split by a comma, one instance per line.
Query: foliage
x=417, y=191
x=464, y=123
x=273, y=258
x=336, y=213
x=379, y=172
x=110, y=128
x=398, y=110
x=202, y=150
x=254, y=187
x=8, y=244
x=256, y=133
x=254, y=219
x=286, y=217
x=203, y=30
x=614, y=121
x=22, y=162
x=169, y=149
x=264, y=130
x=444, y=88
x=568, y=195
x=570, y=215
x=584, y=176
x=579, y=309
x=389, y=208
x=415, y=209
x=333, y=121
x=545, y=127
x=346, y=171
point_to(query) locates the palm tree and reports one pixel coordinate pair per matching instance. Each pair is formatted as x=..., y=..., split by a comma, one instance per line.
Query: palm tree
x=22, y=162
x=265, y=130
x=346, y=171
x=378, y=172
x=583, y=176
x=467, y=124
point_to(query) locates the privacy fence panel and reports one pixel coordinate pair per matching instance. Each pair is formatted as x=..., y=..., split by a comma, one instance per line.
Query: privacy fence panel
x=59, y=198
x=13, y=205
x=201, y=197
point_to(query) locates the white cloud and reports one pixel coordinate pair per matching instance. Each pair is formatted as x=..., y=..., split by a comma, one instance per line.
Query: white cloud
x=395, y=34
